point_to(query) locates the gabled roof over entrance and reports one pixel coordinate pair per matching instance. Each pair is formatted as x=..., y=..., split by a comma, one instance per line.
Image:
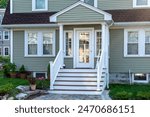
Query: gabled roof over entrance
x=80, y=12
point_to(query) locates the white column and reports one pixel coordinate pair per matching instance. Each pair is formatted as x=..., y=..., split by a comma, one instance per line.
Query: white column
x=61, y=39
x=103, y=36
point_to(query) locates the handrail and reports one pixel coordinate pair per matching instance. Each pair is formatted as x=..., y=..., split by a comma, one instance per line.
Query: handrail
x=55, y=67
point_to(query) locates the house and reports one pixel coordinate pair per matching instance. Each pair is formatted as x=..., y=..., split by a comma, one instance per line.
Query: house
x=88, y=43
x=4, y=37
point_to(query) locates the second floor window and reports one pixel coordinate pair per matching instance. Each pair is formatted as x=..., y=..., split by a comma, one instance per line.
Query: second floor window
x=91, y=2
x=38, y=5
x=6, y=35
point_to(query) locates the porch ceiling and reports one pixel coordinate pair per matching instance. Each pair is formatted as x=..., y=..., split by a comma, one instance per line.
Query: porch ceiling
x=80, y=12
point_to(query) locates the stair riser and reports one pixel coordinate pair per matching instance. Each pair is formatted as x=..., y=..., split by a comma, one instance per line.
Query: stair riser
x=75, y=88
x=77, y=78
x=76, y=74
x=77, y=83
x=78, y=70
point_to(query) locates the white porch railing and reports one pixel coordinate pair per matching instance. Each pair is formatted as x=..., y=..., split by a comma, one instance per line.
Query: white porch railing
x=100, y=68
x=55, y=67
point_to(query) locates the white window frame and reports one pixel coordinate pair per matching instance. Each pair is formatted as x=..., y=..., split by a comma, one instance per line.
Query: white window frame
x=141, y=42
x=39, y=43
x=95, y=39
x=34, y=6
x=95, y=3
x=140, y=81
x=34, y=74
x=4, y=50
x=1, y=35
x=72, y=43
x=4, y=35
x=140, y=6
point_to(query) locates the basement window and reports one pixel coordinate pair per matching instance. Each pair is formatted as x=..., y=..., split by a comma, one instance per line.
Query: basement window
x=140, y=78
x=40, y=74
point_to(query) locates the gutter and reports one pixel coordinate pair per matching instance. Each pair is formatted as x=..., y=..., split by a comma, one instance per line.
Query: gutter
x=29, y=25
x=118, y=24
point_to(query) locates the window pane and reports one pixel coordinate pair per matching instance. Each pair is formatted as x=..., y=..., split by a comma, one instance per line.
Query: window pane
x=6, y=51
x=139, y=76
x=98, y=42
x=147, y=48
x=90, y=2
x=133, y=37
x=6, y=35
x=68, y=43
x=32, y=43
x=132, y=49
x=142, y=2
x=40, y=4
x=147, y=37
x=47, y=43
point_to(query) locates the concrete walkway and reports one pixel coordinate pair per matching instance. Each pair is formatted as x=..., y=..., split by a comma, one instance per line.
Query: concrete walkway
x=104, y=96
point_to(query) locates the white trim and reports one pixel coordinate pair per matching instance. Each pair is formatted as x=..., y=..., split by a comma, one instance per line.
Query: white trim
x=4, y=35
x=91, y=29
x=34, y=74
x=11, y=45
x=140, y=81
x=4, y=50
x=29, y=25
x=11, y=6
x=107, y=16
x=140, y=6
x=95, y=40
x=69, y=31
x=34, y=6
x=39, y=43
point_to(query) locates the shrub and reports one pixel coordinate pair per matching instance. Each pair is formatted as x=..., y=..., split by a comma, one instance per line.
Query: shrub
x=4, y=59
x=48, y=71
x=42, y=83
x=143, y=95
x=22, y=69
x=5, y=89
x=122, y=95
x=6, y=69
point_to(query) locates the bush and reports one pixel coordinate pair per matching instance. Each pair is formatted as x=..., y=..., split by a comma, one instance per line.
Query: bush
x=123, y=95
x=22, y=69
x=4, y=59
x=5, y=89
x=143, y=95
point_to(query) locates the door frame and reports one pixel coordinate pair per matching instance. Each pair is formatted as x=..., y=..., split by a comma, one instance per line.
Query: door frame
x=75, y=45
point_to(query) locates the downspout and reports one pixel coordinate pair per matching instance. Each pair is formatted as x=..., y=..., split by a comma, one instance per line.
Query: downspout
x=107, y=75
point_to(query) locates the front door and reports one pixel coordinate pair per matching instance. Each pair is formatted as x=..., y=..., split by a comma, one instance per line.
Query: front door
x=84, y=49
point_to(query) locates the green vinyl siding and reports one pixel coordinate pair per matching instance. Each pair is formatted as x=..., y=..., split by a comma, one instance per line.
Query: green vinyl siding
x=25, y=6
x=115, y=4
x=31, y=63
x=80, y=14
x=119, y=63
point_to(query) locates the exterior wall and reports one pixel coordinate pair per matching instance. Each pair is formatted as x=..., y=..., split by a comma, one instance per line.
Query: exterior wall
x=121, y=64
x=4, y=43
x=115, y=4
x=24, y=6
x=38, y=64
x=75, y=15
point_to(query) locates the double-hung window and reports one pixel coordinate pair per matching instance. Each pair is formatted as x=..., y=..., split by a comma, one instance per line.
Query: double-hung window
x=32, y=43
x=6, y=35
x=39, y=5
x=141, y=3
x=147, y=43
x=132, y=43
x=6, y=51
x=68, y=43
x=39, y=43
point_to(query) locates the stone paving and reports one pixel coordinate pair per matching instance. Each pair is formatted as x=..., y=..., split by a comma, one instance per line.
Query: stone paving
x=67, y=97
x=104, y=96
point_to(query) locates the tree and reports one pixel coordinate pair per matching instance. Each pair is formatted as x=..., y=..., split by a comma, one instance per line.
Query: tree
x=3, y=3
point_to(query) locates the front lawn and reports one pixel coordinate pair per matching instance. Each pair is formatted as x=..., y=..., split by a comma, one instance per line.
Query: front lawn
x=130, y=92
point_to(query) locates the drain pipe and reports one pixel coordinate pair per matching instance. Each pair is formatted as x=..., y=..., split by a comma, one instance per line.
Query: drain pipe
x=130, y=77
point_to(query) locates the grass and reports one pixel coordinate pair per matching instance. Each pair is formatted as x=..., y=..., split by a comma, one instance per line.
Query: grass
x=129, y=92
